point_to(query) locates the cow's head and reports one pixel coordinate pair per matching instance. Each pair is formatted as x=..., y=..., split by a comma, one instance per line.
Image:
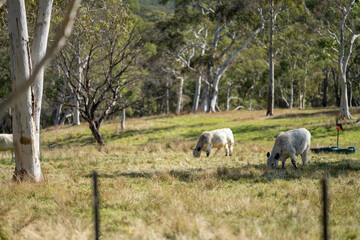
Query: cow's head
x=196, y=152
x=272, y=160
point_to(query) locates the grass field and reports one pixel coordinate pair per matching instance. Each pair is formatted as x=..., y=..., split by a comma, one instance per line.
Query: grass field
x=152, y=188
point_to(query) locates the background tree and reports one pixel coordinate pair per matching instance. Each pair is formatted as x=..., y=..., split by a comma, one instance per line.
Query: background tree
x=111, y=45
x=24, y=135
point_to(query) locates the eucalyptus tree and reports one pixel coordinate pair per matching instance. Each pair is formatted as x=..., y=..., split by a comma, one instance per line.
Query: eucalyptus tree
x=183, y=40
x=111, y=43
x=349, y=32
x=25, y=125
x=340, y=23
x=27, y=158
x=227, y=28
x=236, y=24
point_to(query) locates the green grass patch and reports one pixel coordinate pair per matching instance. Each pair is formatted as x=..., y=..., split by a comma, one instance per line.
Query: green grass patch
x=152, y=188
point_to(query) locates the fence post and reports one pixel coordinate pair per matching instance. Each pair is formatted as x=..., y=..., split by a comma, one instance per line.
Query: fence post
x=96, y=206
x=325, y=208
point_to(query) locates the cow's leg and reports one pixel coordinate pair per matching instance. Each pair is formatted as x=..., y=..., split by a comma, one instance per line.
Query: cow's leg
x=231, y=150
x=208, y=149
x=283, y=163
x=304, y=156
x=226, y=149
x=293, y=160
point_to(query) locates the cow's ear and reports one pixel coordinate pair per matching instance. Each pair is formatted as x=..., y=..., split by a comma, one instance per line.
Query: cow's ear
x=198, y=149
x=277, y=156
x=268, y=154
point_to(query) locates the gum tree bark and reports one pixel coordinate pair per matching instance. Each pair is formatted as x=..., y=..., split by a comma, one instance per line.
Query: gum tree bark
x=270, y=108
x=39, y=46
x=195, y=105
x=180, y=95
x=123, y=116
x=22, y=99
x=27, y=162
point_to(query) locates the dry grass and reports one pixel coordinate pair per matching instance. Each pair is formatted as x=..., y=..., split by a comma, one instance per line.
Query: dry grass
x=152, y=188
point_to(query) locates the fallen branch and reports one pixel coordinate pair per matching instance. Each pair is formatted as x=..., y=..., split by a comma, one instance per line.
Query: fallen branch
x=239, y=107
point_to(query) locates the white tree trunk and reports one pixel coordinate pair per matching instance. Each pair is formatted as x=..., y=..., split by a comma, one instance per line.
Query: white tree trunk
x=343, y=62
x=303, y=95
x=180, y=95
x=291, y=103
x=228, y=97
x=344, y=106
x=60, y=104
x=214, y=95
x=67, y=114
x=27, y=162
x=350, y=94
x=270, y=108
x=39, y=46
x=167, y=96
x=205, y=98
x=76, y=111
x=123, y=115
x=195, y=105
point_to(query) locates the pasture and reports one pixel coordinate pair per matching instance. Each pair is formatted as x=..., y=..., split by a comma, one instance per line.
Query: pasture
x=152, y=188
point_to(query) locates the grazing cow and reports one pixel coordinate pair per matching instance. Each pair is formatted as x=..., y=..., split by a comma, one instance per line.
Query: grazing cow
x=219, y=138
x=6, y=142
x=290, y=144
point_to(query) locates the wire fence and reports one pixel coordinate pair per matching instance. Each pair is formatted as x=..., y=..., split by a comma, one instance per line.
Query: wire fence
x=325, y=207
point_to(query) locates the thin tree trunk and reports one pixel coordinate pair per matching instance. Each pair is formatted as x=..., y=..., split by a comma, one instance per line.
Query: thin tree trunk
x=344, y=106
x=66, y=115
x=228, y=96
x=27, y=162
x=123, y=115
x=336, y=87
x=350, y=94
x=39, y=46
x=270, y=108
x=251, y=97
x=325, y=89
x=76, y=111
x=292, y=69
x=283, y=98
x=303, y=95
x=291, y=104
x=167, y=96
x=344, y=56
x=60, y=104
x=215, y=92
x=180, y=95
x=195, y=105
x=205, y=98
x=96, y=133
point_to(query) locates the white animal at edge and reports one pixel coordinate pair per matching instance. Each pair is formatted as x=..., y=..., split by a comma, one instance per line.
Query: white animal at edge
x=6, y=143
x=290, y=144
x=219, y=138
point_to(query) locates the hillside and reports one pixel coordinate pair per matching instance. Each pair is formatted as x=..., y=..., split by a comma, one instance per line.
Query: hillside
x=152, y=188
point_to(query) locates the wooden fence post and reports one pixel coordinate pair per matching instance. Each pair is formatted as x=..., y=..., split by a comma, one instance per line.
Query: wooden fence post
x=96, y=206
x=325, y=208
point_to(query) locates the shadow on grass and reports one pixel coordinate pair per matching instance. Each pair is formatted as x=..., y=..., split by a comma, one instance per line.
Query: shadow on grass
x=301, y=115
x=256, y=173
x=87, y=138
